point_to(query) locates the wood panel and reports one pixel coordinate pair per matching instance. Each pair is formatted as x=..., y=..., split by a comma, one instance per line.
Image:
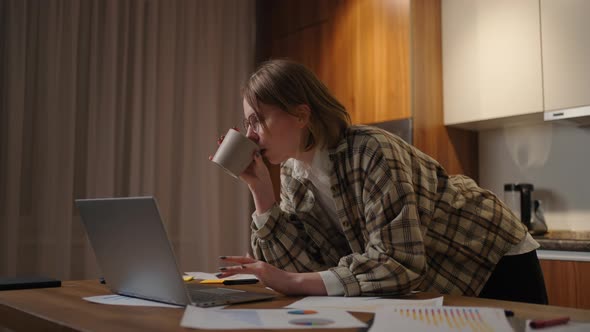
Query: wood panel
x=359, y=50
x=381, y=59
x=567, y=282
x=455, y=149
x=293, y=15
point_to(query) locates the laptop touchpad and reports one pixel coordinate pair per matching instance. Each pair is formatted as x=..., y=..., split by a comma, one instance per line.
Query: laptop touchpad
x=221, y=291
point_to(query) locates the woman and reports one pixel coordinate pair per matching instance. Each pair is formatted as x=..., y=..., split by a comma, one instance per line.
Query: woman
x=364, y=213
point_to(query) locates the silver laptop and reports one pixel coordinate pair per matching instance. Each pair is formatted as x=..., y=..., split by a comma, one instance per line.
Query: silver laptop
x=136, y=258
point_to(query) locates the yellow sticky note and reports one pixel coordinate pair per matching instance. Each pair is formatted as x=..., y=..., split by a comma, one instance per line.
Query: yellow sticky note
x=212, y=281
x=187, y=278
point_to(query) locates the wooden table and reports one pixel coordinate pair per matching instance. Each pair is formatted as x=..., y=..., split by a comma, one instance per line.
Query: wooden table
x=63, y=309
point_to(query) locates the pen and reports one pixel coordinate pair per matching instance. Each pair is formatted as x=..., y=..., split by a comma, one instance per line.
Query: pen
x=541, y=323
x=240, y=281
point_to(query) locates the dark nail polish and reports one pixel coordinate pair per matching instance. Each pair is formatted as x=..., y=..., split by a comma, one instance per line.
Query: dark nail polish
x=222, y=257
x=222, y=268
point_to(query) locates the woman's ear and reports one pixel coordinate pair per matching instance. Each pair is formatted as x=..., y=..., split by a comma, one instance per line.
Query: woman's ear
x=303, y=114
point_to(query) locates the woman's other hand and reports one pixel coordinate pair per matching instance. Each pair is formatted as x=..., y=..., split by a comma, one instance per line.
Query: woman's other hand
x=257, y=174
x=257, y=177
x=288, y=283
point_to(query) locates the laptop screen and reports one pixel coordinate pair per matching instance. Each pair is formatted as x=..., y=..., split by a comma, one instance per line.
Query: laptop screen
x=132, y=248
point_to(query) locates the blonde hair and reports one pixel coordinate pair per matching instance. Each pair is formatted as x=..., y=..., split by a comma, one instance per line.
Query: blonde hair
x=287, y=84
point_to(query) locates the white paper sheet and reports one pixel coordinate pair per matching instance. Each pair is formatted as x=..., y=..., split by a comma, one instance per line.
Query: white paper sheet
x=437, y=319
x=259, y=319
x=115, y=299
x=358, y=304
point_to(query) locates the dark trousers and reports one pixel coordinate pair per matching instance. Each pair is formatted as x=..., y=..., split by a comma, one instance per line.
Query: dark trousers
x=517, y=278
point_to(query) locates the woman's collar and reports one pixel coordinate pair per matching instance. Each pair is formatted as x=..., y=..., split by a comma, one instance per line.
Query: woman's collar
x=320, y=164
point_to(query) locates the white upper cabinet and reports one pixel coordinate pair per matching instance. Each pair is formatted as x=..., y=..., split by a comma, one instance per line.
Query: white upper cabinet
x=491, y=59
x=565, y=32
x=506, y=60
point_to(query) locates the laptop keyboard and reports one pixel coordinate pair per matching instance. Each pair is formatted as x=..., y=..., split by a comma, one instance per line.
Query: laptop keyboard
x=214, y=294
x=205, y=296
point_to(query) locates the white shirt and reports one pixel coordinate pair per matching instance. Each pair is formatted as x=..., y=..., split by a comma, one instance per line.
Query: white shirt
x=318, y=173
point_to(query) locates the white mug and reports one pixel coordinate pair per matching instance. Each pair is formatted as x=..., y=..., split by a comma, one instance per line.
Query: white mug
x=235, y=153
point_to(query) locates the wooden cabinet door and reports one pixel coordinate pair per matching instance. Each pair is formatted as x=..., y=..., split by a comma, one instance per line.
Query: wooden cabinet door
x=567, y=282
x=359, y=49
x=491, y=59
x=565, y=30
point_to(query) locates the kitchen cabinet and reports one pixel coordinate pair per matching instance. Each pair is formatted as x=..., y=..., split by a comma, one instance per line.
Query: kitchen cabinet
x=491, y=59
x=508, y=62
x=566, y=53
x=380, y=58
x=567, y=282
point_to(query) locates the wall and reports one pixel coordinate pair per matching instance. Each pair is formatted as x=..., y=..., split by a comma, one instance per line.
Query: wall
x=552, y=156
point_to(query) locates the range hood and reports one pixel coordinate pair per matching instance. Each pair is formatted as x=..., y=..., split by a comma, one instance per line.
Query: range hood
x=577, y=115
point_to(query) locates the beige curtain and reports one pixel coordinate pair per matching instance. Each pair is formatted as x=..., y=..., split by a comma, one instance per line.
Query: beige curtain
x=119, y=98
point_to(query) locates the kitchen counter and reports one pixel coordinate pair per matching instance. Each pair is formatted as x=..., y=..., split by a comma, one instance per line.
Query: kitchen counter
x=564, y=241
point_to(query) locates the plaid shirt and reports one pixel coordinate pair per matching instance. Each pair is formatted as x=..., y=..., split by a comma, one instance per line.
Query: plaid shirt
x=406, y=224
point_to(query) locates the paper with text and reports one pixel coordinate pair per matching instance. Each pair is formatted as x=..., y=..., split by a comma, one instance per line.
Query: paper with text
x=358, y=304
x=259, y=319
x=440, y=319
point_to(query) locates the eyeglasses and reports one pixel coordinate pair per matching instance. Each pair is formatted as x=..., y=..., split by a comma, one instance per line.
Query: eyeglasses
x=252, y=121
